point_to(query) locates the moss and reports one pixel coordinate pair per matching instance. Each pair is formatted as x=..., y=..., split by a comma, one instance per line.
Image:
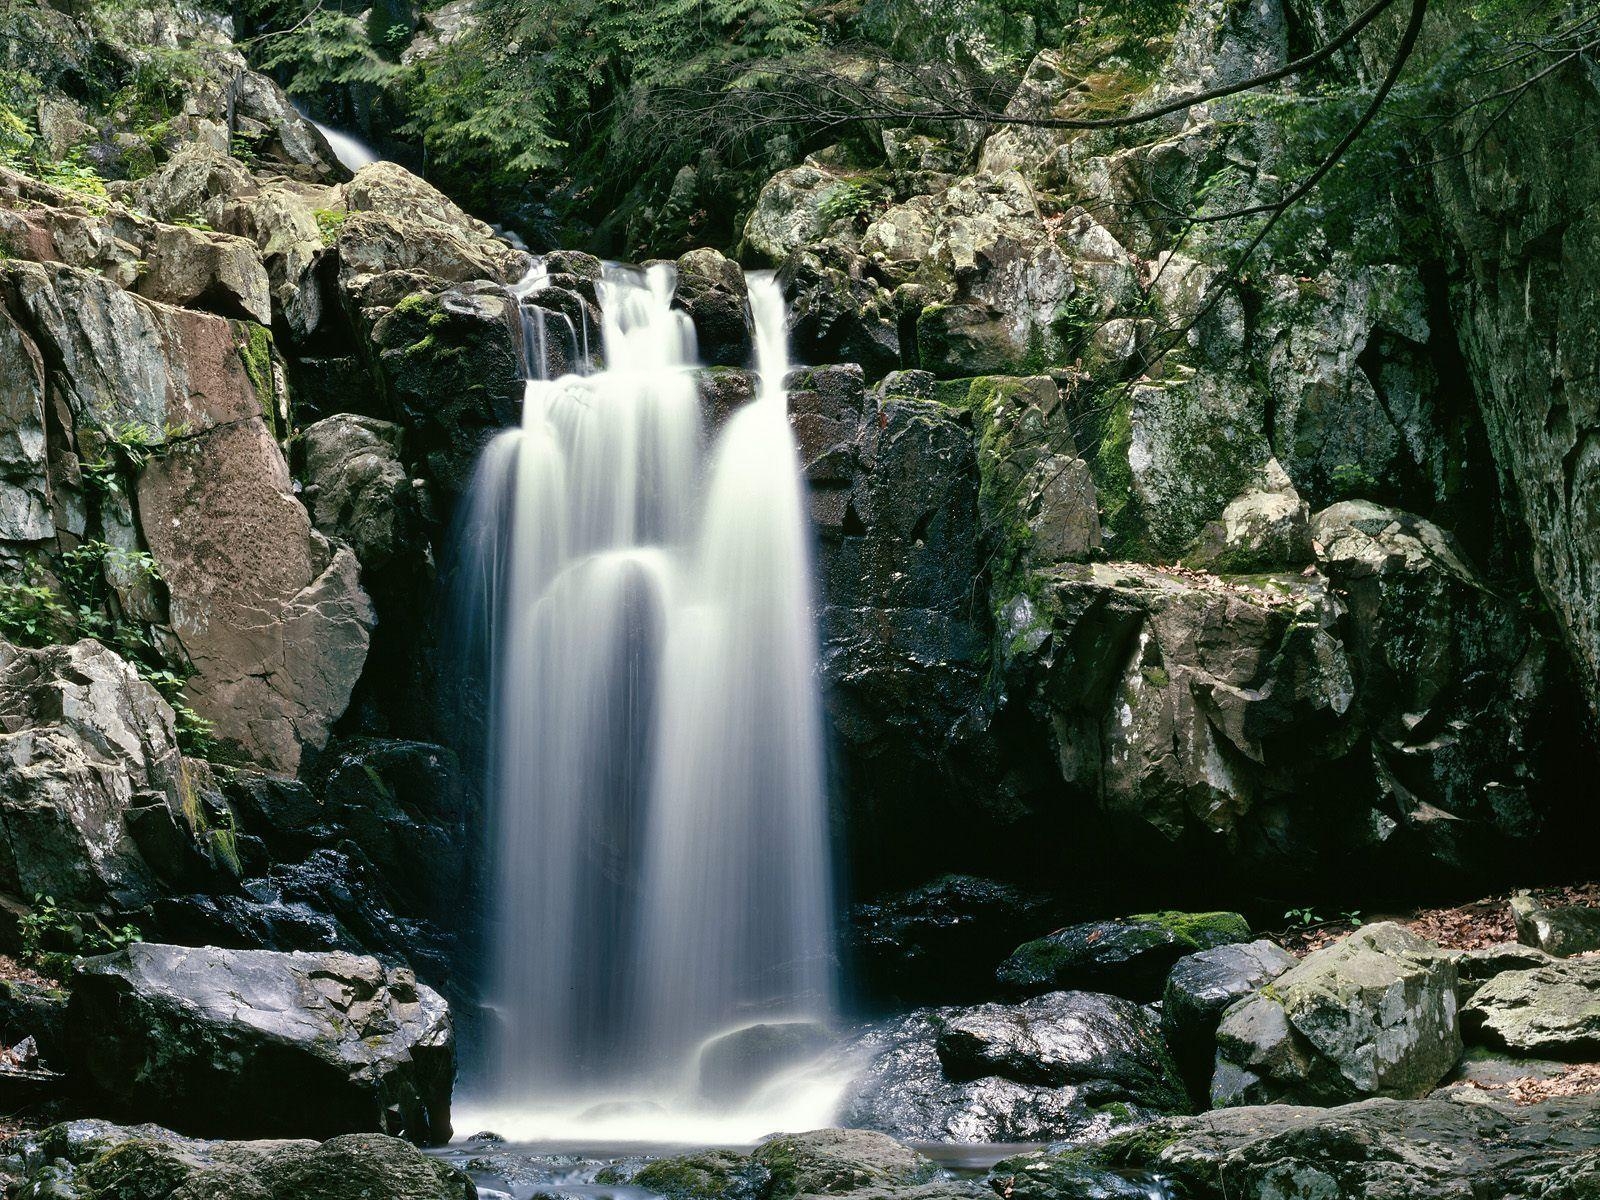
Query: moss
x=714, y=1175
x=1113, y=481
x=255, y=351
x=1205, y=929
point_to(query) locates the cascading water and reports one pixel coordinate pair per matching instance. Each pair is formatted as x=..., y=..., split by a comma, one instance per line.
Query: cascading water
x=662, y=868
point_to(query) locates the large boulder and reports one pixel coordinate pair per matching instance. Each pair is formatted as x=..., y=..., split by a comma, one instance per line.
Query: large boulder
x=219, y=1042
x=1551, y=1011
x=794, y=209
x=1071, y=1065
x=1129, y=955
x=711, y=289
x=1372, y=1015
x=356, y=487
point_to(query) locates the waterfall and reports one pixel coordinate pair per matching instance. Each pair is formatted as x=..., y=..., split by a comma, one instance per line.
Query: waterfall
x=662, y=872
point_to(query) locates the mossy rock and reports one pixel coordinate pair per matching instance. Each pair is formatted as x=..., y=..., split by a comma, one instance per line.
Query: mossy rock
x=712, y=1175
x=1129, y=956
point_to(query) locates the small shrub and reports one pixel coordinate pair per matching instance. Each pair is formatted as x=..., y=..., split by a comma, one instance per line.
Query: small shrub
x=52, y=936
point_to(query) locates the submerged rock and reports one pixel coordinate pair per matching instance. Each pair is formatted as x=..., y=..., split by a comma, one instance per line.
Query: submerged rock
x=226, y=1041
x=1130, y=956
x=1372, y=1015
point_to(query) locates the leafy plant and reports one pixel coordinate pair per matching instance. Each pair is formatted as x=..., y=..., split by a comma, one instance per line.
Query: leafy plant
x=851, y=199
x=330, y=221
x=53, y=936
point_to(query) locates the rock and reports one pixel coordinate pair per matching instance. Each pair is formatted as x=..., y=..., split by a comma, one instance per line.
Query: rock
x=398, y=222
x=1558, y=931
x=214, y=271
x=37, y=1011
x=1042, y=1175
x=1551, y=1011
x=357, y=489
x=1062, y=1038
x=792, y=210
x=711, y=289
x=451, y=372
x=93, y=786
x=840, y=310
x=25, y=495
x=840, y=1162
x=1475, y=967
x=1130, y=955
x=1265, y=528
x=1445, y=1148
x=1200, y=988
x=1372, y=1015
x=154, y=1163
x=710, y=1175
x=196, y=182
x=1111, y=1049
x=736, y=1064
x=219, y=1041
x=941, y=942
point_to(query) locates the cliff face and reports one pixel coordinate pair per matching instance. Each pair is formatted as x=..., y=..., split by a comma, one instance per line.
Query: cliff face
x=1123, y=559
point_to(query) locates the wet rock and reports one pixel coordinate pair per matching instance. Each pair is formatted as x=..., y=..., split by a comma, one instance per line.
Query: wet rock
x=1559, y=931
x=940, y=943
x=91, y=779
x=1129, y=955
x=101, y=1159
x=1042, y=1175
x=221, y=1041
x=1062, y=1038
x=840, y=1162
x=1434, y=1149
x=1550, y=1011
x=905, y=1090
x=736, y=1064
x=1374, y=1014
x=711, y=289
x=711, y=1175
x=839, y=310
x=1200, y=988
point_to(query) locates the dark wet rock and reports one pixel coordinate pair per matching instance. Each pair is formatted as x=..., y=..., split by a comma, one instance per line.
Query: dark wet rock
x=95, y=1158
x=1121, y=1074
x=1200, y=988
x=941, y=942
x=840, y=311
x=222, y=1041
x=711, y=289
x=1560, y=931
x=451, y=369
x=1130, y=955
x=1551, y=1011
x=1444, y=1148
x=736, y=1064
x=1062, y=1038
x=1374, y=1014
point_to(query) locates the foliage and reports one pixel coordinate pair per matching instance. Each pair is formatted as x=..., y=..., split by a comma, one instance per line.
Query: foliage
x=329, y=222
x=52, y=936
x=852, y=199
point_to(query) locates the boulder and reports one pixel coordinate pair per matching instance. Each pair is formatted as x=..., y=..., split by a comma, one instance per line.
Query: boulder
x=1062, y=1038
x=399, y=222
x=1200, y=988
x=1560, y=931
x=711, y=289
x=840, y=310
x=1267, y=527
x=1551, y=1011
x=1042, y=1175
x=1372, y=1015
x=96, y=800
x=216, y=1042
x=25, y=494
x=100, y=1159
x=1109, y=1048
x=793, y=210
x=852, y=1163
x=1128, y=955
x=1476, y=967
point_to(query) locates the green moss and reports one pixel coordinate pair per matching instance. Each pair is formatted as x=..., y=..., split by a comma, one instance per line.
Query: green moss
x=714, y=1175
x=1205, y=929
x=255, y=351
x=1113, y=481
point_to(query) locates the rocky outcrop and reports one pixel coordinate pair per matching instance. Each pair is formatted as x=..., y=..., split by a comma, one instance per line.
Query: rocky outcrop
x=1421, y=1150
x=98, y=808
x=1373, y=1015
x=1549, y=1011
x=219, y=1042
x=110, y=1160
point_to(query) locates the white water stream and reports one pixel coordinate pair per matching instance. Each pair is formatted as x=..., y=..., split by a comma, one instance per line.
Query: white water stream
x=659, y=819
